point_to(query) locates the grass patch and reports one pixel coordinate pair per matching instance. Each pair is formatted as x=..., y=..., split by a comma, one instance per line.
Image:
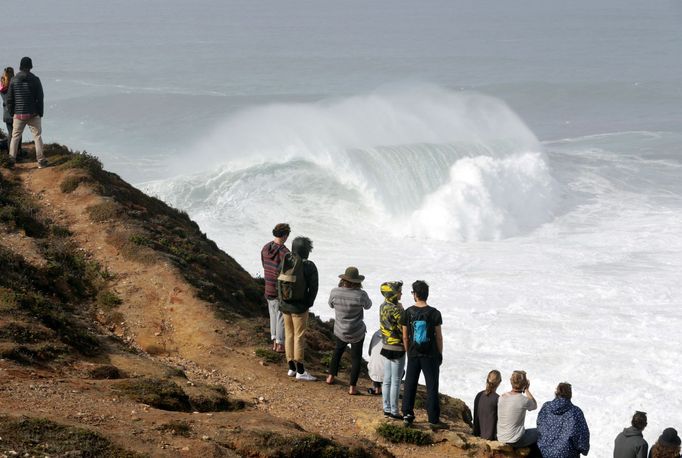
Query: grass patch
x=85, y=161
x=274, y=445
x=269, y=356
x=158, y=393
x=212, y=398
x=71, y=183
x=24, y=333
x=32, y=353
x=400, y=434
x=41, y=437
x=104, y=211
x=106, y=372
x=108, y=300
x=60, y=231
x=177, y=428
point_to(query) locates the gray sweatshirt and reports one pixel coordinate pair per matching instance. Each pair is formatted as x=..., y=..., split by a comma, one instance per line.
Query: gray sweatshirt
x=630, y=444
x=349, y=305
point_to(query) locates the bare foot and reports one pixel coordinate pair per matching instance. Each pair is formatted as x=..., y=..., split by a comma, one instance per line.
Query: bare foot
x=330, y=379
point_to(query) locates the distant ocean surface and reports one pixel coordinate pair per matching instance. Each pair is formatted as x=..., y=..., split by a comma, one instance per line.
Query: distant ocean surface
x=524, y=158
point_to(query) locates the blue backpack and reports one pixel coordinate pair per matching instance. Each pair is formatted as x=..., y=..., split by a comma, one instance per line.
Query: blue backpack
x=422, y=332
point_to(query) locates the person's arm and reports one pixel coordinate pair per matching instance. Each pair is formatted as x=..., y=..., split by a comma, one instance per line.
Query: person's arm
x=366, y=301
x=39, y=97
x=406, y=342
x=532, y=404
x=641, y=453
x=439, y=340
x=10, y=99
x=331, y=299
x=477, y=424
x=581, y=440
x=312, y=283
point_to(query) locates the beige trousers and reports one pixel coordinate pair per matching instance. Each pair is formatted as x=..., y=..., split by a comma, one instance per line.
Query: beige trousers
x=295, y=325
x=35, y=125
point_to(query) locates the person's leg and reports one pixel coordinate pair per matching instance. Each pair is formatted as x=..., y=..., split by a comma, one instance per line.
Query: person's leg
x=336, y=358
x=411, y=380
x=289, y=324
x=386, y=388
x=300, y=322
x=396, y=376
x=356, y=361
x=273, y=309
x=431, y=373
x=17, y=129
x=9, y=135
x=529, y=439
x=279, y=331
x=35, y=125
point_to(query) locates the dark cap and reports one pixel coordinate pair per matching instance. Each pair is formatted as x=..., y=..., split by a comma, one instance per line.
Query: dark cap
x=669, y=437
x=26, y=63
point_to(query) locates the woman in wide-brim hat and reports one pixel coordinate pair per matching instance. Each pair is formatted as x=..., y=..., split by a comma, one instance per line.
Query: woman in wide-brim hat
x=349, y=302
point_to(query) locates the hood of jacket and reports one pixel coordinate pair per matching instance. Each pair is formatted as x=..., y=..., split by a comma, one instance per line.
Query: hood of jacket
x=560, y=406
x=632, y=431
x=272, y=250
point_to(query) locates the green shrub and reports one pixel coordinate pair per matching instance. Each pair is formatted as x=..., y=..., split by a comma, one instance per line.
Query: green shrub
x=177, y=428
x=60, y=231
x=159, y=393
x=84, y=161
x=70, y=183
x=400, y=434
x=108, y=300
x=104, y=211
x=268, y=355
x=41, y=437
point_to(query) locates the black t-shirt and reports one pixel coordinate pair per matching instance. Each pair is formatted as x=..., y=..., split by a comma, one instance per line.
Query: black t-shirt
x=433, y=318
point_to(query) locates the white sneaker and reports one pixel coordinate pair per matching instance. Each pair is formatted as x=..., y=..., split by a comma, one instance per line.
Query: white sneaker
x=291, y=373
x=306, y=377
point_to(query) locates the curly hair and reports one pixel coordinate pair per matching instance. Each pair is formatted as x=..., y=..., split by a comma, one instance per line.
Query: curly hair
x=665, y=451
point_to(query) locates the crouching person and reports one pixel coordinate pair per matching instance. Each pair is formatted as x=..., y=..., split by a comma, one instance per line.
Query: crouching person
x=297, y=288
x=562, y=429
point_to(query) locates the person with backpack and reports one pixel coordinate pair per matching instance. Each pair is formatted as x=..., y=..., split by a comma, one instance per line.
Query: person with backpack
x=297, y=289
x=562, y=429
x=392, y=349
x=349, y=302
x=271, y=256
x=423, y=343
x=485, y=408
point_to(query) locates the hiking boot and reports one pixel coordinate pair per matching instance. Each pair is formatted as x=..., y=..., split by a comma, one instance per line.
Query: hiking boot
x=408, y=420
x=305, y=377
x=291, y=373
x=396, y=416
x=42, y=164
x=438, y=426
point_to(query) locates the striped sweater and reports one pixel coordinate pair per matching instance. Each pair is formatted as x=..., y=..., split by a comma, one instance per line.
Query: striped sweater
x=271, y=256
x=25, y=95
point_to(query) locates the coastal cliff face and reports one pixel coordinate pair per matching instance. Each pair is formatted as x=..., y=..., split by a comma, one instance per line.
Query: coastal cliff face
x=125, y=331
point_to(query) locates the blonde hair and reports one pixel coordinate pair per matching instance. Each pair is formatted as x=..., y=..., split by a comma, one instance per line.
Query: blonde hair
x=7, y=76
x=493, y=381
x=518, y=380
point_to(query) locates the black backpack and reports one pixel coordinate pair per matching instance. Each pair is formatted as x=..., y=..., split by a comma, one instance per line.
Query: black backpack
x=291, y=286
x=423, y=332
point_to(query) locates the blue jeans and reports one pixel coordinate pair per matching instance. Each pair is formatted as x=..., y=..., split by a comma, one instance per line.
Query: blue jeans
x=393, y=374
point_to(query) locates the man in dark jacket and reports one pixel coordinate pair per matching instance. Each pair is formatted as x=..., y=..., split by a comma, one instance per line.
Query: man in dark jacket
x=630, y=443
x=295, y=312
x=271, y=256
x=25, y=105
x=562, y=429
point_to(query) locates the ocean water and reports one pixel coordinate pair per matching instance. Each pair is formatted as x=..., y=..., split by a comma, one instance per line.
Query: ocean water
x=524, y=158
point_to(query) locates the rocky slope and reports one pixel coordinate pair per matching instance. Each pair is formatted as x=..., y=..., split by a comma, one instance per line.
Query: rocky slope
x=125, y=331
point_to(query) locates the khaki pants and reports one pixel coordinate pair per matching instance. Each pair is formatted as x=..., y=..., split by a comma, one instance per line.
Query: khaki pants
x=295, y=325
x=35, y=125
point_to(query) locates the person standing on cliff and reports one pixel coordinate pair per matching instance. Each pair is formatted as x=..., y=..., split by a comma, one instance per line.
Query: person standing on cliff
x=630, y=443
x=423, y=343
x=272, y=254
x=25, y=105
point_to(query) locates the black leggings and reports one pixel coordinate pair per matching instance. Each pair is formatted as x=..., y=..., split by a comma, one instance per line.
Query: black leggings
x=355, y=357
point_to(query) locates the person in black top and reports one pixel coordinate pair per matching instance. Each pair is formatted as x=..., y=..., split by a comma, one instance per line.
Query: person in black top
x=485, y=408
x=423, y=342
x=295, y=313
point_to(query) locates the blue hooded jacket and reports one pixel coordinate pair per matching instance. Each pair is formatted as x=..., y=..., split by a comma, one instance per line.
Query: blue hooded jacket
x=562, y=430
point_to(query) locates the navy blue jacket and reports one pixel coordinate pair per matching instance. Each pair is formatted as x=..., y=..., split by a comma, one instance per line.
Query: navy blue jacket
x=562, y=430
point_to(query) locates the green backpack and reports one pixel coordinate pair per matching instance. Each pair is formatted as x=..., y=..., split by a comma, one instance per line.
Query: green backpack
x=291, y=285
